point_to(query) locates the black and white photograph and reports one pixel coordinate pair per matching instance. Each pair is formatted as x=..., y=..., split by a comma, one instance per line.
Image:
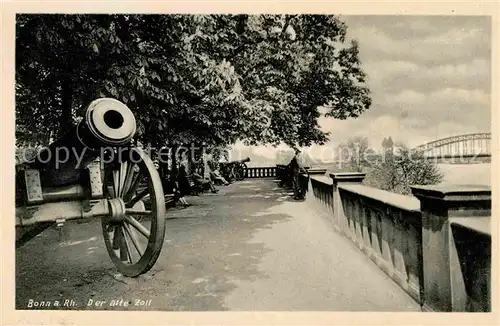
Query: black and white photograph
x=192, y=162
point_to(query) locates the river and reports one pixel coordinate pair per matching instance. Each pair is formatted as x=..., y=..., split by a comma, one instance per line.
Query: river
x=473, y=174
x=466, y=173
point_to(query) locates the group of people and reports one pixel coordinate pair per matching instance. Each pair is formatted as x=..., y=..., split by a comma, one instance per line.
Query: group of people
x=179, y=185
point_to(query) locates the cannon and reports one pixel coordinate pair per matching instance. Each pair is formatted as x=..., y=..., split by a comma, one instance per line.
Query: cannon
x=95, y=171
x=234, y=169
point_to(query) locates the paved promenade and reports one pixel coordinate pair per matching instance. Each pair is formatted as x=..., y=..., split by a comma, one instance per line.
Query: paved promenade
x=249, y=247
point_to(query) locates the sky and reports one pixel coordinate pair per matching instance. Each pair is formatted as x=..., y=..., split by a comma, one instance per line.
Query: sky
x=429, y=77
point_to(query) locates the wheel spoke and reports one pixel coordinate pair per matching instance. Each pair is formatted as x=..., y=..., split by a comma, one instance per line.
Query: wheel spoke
x=108, y=185
x=116, y=238
x=123, y=175
x=136, y=240
x=116, y=182
x=125, y=247
x=131, y=191
x=123, y=250
x=138, y=226
x=128, y=179
x=138, y=197
x=137, y=212
x=133, y=236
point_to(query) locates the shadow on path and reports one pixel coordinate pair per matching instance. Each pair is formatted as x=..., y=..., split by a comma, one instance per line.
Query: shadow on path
x=249, y=247
x=205, y=247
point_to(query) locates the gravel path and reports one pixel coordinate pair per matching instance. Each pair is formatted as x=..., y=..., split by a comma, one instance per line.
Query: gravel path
x=249, y=247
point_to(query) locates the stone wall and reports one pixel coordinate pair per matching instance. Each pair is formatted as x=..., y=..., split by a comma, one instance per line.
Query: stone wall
x=435, y=244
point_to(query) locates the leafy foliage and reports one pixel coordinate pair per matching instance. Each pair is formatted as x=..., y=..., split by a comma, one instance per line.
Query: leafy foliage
x=398, y=172
x=189, y=78
x=356, y=154
x=392, y=170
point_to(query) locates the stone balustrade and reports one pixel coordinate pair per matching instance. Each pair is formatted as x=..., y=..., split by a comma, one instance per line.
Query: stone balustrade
x=470, y=264
x=260, y=172
x=435, y=243
x=446, y=260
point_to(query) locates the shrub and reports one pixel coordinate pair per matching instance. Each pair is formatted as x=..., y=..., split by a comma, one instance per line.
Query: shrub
x=396, y=173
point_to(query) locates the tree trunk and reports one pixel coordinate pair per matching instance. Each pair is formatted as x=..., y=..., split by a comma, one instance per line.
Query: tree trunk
x=66, y=118
x=174, y=160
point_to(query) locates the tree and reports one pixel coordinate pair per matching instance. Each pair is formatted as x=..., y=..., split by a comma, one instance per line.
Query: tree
x=356, y=154
x=398, y=172
x=189, y=78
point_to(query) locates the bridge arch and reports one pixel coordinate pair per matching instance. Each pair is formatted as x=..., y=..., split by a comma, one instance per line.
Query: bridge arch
x=459, y=145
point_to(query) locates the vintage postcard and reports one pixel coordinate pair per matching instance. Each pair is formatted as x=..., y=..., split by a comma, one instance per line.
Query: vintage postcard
x=250, y=163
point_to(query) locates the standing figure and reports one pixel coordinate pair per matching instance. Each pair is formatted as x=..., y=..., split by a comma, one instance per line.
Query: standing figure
x=296, y=167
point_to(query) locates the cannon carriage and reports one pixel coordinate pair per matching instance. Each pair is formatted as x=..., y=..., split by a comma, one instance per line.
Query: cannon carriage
x=234, y=170
x=94, y=171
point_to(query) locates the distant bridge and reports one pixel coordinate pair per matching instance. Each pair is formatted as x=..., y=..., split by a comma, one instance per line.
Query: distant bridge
x=467, y=148
x=462, y=149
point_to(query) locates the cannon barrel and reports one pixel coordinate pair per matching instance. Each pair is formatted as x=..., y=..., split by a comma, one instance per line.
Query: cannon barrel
x=107, y=123
x=237, y=161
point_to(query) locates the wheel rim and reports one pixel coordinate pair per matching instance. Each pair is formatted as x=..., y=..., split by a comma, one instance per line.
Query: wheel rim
x=239, y=172
x=134, y=240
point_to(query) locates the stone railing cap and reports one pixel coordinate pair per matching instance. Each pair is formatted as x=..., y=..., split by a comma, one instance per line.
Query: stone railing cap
x=322, y=178
x=347, y=175
x=452, y=190
x=407, y=203
x=316, y=171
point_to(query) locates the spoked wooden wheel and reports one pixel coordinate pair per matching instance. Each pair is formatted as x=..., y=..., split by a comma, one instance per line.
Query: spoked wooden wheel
x=239, y=171
x=134, y=239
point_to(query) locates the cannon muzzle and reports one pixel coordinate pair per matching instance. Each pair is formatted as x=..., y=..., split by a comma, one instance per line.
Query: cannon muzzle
x=237, y=161
x=108, y=123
